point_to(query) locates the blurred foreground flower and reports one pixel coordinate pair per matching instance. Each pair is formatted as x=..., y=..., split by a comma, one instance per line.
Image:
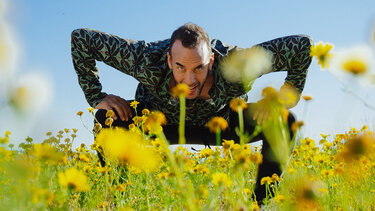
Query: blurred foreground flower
x=48, y=153
x=306, y=195
x=321, y=52
x=154, y=122
x=356, y=63
x=247, y=65
x=357, y=147
x=8, y=46
x=237, y=103
x=127, y=147
x=74, y=180
x=32, y=93
x=272, y=114
x=217, y=123
x=180, y=89
x=219, y=178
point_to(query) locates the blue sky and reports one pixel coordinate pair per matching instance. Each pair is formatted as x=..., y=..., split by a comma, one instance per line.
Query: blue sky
x=43, y=32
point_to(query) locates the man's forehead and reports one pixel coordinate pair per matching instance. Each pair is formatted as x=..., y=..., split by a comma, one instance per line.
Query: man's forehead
x=201, y=50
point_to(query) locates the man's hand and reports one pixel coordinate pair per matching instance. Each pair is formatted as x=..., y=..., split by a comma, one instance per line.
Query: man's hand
x=121, y=106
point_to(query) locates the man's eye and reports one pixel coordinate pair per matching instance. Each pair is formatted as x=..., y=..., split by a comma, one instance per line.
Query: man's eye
x=198, y=69
x=180, y=68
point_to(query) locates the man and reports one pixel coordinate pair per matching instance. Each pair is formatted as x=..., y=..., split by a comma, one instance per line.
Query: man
x=189, y=57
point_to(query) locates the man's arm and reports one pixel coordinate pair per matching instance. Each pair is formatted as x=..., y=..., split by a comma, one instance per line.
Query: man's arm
x=292, y=54
x=88, y=46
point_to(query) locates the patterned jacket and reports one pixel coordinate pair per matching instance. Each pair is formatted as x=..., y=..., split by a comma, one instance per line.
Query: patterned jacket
x=147, y=63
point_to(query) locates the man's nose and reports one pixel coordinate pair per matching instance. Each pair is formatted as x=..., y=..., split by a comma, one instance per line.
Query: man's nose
x=190, y=78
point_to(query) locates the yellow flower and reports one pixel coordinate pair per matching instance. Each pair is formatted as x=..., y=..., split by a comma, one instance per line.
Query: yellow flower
x=79, y=113
x=134, y=104
x=321, y=53
x=180, y=89
x=254, y=206
x=355, y=63
x=163, y=175
x=292, y=171
x=237, y=103
x=7, y=133
x=128, y=148
x=121, y=187
x=84, y=158
x=109, y=121
x=46, y=152
x=275, y=178
x=279, y=198
x=265, y=180
x=306, y=194
x=307, y=98
x=74, y=180
x=355, y=66
x=5, y=154
x=296, y=125
x=219, y=178
x=109, y=113
x=20, y=98
x=4, y=140
x=257, y=158
x=228, y=144
x=247, y=190
x=91, y=110
x=206, y=152
x=361, y=145
x=97, y=127
x=154, y=121
x=145, y=112
x=323, y=190
x=326, y=173
x=216, y=124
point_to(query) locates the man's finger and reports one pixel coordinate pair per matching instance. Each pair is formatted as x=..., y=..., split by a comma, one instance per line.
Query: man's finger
x=122, y=104
x=127, y=107
x=120, y=110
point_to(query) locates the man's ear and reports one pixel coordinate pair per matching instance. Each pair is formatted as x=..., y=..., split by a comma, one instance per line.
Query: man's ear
x=169, y=60
x=212, y=58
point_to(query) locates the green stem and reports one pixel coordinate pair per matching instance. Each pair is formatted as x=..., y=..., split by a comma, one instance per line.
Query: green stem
x=240, y=119
x=218, y=139
x=147, y=191
x=181, y=182
x=181, y=128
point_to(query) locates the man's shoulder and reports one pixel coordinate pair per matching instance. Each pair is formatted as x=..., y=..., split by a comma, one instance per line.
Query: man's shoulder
x=221, y=48
x=159, y=45
x=157, y=50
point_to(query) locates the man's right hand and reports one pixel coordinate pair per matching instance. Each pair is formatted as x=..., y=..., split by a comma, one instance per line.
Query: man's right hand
x=116, y=103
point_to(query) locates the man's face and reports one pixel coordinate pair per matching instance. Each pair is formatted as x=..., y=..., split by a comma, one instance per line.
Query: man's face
x=190, y=65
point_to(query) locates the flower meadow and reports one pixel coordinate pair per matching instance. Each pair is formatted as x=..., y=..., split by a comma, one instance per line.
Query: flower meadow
x=335, y=172
x=141, y=172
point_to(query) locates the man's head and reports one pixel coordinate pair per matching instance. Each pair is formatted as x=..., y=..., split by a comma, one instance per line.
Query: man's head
x=190, y=57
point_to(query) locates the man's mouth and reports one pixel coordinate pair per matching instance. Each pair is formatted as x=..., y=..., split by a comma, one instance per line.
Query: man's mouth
x=193, y=89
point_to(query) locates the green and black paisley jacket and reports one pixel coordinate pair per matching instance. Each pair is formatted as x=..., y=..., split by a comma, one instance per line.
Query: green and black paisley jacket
x=147, y=63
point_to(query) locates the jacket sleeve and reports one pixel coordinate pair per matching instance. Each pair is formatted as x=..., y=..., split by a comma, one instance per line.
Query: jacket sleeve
x=292, y=54
x=89, y=46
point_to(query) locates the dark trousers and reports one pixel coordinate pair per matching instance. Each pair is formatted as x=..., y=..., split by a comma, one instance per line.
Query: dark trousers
x=201, y=135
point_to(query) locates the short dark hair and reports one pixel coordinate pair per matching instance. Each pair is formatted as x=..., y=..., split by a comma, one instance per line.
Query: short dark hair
x=190, y=36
